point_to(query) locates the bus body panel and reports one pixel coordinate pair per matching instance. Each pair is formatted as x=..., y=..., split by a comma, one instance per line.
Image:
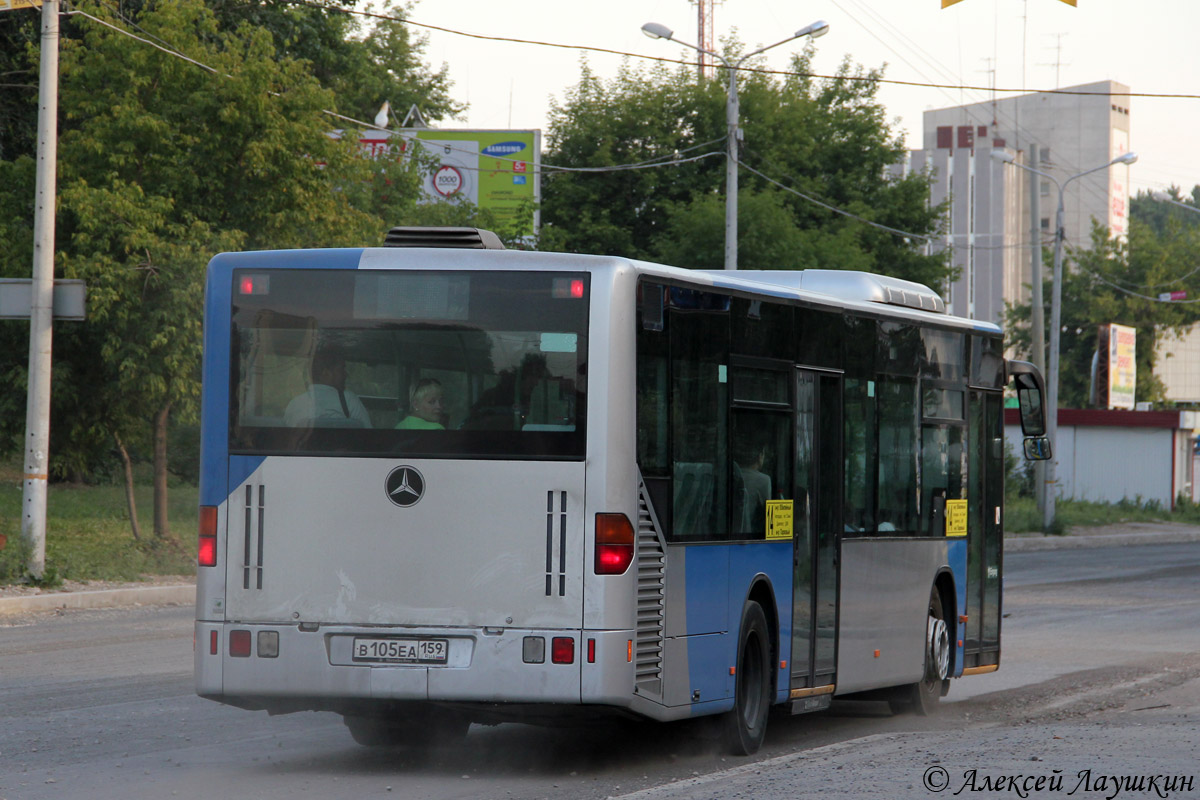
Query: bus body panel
x=956, y=557
x=484, y=546
x=883, y=609
x=314, y=669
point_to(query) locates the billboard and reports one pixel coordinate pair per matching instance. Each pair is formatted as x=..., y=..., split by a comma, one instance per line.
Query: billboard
x=497, y=170
x=1118, y=366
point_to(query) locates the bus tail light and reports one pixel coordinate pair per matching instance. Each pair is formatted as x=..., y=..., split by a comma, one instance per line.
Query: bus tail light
x=239, y=644
x=207, y=551
x=614, y=544
x=562, y=650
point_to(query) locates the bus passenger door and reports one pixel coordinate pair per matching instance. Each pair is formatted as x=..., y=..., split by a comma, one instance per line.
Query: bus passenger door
x=818, y=472
x=985, y=532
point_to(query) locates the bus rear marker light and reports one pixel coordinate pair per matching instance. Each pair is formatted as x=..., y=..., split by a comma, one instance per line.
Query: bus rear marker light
x=591, y=656
x=213, y=638
x=877, y=654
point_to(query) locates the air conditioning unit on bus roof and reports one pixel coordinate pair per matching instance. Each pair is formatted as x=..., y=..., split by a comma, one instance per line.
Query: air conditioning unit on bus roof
x=852, y=285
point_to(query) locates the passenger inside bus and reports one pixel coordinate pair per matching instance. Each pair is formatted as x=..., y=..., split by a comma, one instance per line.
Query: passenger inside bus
x=756, y=484
x=506, y=405
x=327, y=403
x=426, y=406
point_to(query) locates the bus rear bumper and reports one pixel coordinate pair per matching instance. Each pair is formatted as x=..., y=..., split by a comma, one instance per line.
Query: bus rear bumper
x=318, y=669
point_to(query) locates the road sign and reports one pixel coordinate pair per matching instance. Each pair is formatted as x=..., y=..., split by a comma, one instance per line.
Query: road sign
x=16, y=298
x=12, y=5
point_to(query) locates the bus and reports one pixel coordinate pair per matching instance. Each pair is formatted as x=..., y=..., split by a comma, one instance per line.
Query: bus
x=445, y=483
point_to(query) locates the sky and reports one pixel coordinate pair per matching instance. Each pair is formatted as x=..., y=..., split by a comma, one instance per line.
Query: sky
x=1010, y=44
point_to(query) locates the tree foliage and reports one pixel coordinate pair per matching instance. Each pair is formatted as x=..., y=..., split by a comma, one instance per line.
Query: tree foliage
x=362, y=62
x=828, y=140
x=1119, y=281
x=161, y=164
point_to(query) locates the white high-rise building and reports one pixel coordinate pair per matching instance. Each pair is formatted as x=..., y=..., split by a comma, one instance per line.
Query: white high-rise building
x=990, y=223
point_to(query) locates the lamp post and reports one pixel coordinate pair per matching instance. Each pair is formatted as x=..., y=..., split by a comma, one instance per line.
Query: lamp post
x=656, y=31
x=1163, y=197
x=1056, y=318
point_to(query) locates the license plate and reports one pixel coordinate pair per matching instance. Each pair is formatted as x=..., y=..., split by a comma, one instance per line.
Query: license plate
x=402, y=651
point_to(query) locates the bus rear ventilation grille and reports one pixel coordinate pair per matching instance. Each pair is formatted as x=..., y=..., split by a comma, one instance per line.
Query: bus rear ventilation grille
x=462, y=238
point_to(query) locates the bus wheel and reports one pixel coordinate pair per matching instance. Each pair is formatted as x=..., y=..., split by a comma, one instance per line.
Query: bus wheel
x=745, y=726
x=923, y=696
x=428, y=730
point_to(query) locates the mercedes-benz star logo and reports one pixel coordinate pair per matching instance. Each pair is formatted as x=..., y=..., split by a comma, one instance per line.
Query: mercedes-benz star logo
x=405, y=486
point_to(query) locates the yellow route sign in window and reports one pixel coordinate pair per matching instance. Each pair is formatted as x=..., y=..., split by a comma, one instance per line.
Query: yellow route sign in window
x=779, y=519
x=956, y=517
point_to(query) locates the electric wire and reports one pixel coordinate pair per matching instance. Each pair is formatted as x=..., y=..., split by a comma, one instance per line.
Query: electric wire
x=760, y=70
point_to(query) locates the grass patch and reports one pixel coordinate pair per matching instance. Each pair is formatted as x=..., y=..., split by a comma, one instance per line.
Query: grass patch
x=1021, y=514
x=88, y=536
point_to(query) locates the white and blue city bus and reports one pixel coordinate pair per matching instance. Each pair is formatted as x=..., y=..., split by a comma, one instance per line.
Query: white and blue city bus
x=656, y=491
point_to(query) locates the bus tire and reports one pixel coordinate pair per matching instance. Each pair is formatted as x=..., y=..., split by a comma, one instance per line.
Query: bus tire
x=923, y=696
x=745, y=726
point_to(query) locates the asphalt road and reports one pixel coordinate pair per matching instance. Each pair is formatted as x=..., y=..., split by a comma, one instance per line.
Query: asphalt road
x=1100, y=672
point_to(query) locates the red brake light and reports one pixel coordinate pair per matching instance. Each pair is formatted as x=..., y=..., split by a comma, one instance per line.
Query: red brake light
x=254, y=284
x=567, y=288
x=207, y=551
x=239, y=644
x=614, y=544
x=562, y=650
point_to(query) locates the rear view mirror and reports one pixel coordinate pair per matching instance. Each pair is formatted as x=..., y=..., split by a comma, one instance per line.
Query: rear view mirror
x=1037, y=448
x=1029, y=398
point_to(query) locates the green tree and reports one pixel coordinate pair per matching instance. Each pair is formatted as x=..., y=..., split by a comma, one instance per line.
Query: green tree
x=19, y=32
x=161, y=164
x=828, y=140
x=1119, y=281
x=362, y=64
x=1160, y=215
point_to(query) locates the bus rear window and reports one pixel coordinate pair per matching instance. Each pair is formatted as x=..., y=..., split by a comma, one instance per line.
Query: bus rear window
x=409, y=363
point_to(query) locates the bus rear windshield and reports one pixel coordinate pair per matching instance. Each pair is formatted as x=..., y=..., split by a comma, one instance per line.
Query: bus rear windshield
x=409, y=363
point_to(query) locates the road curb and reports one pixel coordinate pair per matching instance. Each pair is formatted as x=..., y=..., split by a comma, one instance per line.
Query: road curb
x=184, y=594
x=1029, y=544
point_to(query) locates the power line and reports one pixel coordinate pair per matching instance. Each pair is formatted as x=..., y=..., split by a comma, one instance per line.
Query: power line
x=759, y=70
x=836, y=210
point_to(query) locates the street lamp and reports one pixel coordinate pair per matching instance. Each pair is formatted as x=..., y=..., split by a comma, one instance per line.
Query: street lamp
x=1056, y=317
x=1163, y=197
x=656, y=31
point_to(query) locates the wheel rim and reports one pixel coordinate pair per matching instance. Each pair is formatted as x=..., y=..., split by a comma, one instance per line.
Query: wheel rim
x=939, y=649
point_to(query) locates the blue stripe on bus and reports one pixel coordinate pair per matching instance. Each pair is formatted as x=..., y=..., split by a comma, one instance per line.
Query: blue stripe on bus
x=717, y=581
x=956, y=558
x=215, y=480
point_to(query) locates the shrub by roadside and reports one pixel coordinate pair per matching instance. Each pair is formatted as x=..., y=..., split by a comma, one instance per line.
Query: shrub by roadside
x=88, y=535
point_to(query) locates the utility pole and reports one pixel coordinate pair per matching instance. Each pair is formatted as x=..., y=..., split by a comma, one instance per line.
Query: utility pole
x=41, y=312
x=704, y=36
x=1037, y=317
